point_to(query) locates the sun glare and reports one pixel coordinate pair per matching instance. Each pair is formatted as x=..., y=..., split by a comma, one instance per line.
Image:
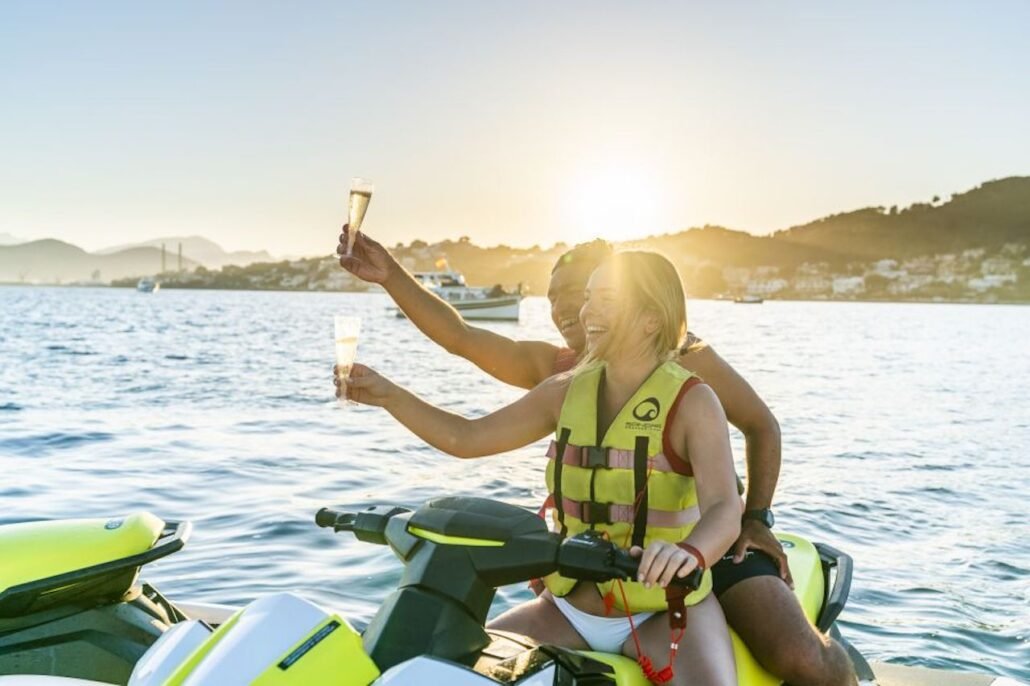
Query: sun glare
x=615, y=202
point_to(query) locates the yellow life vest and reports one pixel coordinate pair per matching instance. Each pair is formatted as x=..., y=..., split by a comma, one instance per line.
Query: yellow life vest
x=601, y=478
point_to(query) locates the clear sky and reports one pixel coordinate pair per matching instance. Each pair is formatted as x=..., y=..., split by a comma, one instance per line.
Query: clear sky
x=520, y=122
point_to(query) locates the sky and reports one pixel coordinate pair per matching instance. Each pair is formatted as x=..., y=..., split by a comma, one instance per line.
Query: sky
x=519, y=123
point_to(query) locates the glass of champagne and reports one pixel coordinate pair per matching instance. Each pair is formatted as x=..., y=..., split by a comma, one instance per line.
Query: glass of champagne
x=347, y=330
x=360, y=193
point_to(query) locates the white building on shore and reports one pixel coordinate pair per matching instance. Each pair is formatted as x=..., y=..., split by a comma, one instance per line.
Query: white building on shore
x=848, y=285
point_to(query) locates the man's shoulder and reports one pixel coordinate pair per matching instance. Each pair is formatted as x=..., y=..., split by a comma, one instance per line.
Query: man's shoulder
x=564, y=360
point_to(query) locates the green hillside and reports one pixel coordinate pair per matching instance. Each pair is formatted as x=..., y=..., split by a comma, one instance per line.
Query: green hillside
x=988, y=216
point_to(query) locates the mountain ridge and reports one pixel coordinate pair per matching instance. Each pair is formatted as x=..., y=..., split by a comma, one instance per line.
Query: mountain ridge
x=50, y=260
x=988, y=216
x=199, y=249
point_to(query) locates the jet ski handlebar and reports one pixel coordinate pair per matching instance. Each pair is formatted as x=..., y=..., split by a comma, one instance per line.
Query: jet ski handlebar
x=337, y=521
x=587, y=556
x=591, y=557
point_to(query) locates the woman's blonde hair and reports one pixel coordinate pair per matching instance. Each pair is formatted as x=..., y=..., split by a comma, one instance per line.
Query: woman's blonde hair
x=647, y=283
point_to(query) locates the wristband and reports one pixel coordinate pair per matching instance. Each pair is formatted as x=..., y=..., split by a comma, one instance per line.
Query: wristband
x=701, y=564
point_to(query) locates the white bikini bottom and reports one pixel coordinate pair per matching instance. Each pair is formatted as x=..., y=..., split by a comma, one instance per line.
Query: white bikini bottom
x=603, y=634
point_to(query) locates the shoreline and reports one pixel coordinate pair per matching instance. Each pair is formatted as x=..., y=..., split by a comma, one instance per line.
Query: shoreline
x=376, y=289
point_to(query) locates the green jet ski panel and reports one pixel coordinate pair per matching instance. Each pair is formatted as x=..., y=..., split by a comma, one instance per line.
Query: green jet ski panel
x=49, y=563
x=809, y=587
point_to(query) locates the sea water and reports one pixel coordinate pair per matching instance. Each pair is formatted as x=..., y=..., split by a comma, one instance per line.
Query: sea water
x=905, y=434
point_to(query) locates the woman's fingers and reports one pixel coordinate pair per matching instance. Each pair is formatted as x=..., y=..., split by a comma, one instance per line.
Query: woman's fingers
x=649, y=564
x=672, y=564
x=661, y=565
x=689, y=565
x=679, y=566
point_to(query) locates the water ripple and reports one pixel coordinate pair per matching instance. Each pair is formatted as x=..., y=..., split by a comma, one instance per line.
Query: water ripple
x=903, y=446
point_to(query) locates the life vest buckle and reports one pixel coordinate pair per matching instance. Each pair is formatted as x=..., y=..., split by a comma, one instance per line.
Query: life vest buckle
x=594, y=456
x=597, y=513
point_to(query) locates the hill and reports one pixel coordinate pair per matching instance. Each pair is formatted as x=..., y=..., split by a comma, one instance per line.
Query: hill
x=737, y=248
x=989, y=216
x=53, y=261
x=197, y=249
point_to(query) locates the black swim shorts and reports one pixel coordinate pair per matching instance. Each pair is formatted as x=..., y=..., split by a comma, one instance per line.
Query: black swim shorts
x=725, y=574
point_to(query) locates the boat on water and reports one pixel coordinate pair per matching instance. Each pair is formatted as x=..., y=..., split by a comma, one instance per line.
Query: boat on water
x=73, y=613
x=749, y=299
x=148, y=284
x=473, y=302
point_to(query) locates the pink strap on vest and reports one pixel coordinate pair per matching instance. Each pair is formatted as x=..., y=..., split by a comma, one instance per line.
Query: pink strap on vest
x=575, y=456
x=624, y=513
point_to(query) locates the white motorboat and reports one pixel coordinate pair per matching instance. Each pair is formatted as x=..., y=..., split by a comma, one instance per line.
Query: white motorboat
x=148, y=285
x=473, y=302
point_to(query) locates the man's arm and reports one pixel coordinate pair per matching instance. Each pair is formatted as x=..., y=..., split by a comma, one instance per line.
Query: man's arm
x=746, y=411
x=520, y=363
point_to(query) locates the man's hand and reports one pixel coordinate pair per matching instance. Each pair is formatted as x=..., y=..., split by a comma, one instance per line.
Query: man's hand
x=369, y=261
x=756, y=536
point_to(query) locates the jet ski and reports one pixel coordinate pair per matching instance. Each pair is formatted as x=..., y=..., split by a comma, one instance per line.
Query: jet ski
x=72, y=611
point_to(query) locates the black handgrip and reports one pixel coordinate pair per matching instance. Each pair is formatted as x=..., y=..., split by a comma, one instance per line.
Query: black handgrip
x=589, y=556
x=340, y=521
x=629, y=565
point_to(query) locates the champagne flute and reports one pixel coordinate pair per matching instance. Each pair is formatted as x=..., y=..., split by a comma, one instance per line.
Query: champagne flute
x=360, y=194
x=347, y=330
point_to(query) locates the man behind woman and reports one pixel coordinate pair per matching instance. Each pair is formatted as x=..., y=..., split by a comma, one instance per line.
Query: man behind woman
x=749, y=582
x=648, y=416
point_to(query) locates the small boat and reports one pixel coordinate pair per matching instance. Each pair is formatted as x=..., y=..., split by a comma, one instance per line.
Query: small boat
x=749, y=299
x=148, y=285
x=473, y=302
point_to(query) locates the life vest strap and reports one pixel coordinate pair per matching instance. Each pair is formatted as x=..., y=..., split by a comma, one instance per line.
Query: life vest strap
x=640, y=467
x=563, y=440
x=613, y=458
x=615, y=513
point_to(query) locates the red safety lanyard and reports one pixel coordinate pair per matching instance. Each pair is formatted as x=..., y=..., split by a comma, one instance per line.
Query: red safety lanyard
x=677, y=612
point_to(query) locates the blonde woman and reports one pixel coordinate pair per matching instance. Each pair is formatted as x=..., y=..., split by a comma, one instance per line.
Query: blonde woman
x=641, y=452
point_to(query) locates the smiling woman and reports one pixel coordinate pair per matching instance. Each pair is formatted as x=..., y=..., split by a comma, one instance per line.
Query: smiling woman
x=615, y=202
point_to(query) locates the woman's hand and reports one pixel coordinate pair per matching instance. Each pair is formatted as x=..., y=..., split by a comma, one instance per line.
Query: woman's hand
x=365, y=385
x=662, y=561
x=369, y=261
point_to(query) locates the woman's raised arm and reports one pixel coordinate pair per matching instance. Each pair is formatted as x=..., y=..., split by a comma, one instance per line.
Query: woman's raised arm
x=524, y=421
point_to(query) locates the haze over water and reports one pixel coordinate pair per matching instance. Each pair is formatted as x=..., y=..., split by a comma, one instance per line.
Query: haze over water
x=905, y=431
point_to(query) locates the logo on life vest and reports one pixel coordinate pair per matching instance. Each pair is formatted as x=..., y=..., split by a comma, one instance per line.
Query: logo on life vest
x=647, y=410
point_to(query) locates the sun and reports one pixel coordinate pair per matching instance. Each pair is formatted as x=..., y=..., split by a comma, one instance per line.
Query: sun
x=615, y=202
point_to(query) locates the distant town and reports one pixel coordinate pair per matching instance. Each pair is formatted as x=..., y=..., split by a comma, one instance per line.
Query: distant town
x=973, y=275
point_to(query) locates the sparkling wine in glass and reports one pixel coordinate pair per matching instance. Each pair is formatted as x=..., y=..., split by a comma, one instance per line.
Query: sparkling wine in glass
x=360, y=193
x=347, y=330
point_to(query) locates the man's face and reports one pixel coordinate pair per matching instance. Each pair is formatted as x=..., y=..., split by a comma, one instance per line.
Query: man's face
x=566, y=295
